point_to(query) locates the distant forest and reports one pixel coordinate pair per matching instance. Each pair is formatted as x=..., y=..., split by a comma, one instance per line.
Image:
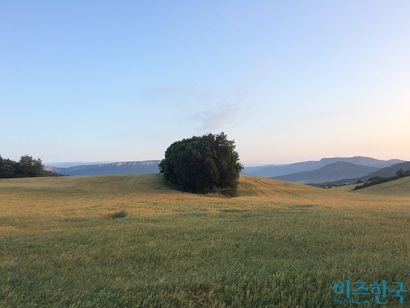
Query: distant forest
x=26, y=167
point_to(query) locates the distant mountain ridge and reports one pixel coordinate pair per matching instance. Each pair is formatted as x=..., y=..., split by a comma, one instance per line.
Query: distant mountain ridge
x=129, y=167
x=281, y=170
x=310, y=172
x=329, y=173
x=390, y=171
x=384, y=172
x=75, y=163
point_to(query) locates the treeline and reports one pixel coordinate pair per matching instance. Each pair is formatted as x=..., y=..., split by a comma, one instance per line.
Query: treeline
x=381, y=179
x=25, y=167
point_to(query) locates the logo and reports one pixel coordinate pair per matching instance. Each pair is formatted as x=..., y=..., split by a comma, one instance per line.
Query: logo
x=360, y=292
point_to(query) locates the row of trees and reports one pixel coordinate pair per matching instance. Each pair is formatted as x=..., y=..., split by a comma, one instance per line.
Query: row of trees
x=26, y=167
x=203, y=164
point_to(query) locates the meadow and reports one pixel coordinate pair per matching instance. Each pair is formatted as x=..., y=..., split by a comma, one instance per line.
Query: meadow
x=64, y=244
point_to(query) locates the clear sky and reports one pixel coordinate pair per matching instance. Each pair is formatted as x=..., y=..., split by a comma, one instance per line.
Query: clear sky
x=122, y=80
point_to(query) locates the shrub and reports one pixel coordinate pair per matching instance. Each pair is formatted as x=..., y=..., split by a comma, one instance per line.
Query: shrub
x=120, y=214
x=203, y=164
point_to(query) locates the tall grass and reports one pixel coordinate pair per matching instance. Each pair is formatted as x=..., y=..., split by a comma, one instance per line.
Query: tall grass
x=183, y=250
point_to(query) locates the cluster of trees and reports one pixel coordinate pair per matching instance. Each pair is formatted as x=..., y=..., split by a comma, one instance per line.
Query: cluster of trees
x=381, y=179
x=402, y=173
x=203, y=164
x=26, y=167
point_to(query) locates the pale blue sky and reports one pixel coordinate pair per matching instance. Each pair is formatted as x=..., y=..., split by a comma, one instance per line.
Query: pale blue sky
x=122, y=80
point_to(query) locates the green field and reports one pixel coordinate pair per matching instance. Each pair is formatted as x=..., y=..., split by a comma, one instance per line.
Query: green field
x=276, y=245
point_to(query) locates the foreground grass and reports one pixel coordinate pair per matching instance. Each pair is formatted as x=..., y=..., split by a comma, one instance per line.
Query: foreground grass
x=278, y=244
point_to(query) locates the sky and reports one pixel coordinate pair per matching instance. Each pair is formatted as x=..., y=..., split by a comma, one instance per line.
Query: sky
x=122, y=80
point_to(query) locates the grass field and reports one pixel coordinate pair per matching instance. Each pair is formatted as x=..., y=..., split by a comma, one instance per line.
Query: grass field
x=276, y=245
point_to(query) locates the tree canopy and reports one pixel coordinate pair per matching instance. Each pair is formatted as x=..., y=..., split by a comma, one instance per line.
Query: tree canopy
x=26, y=167
x=203, y=164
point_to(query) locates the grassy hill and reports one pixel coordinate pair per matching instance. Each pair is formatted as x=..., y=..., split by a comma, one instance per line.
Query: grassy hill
x=399, y=187
x=395, y=188
x=148, y=195
x=329, y=173
x=278, y=243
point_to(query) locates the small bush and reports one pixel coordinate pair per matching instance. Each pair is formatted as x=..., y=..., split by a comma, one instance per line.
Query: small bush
x=119, y=214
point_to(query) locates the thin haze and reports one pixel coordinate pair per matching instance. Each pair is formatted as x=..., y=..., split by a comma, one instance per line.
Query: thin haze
x=122, y=80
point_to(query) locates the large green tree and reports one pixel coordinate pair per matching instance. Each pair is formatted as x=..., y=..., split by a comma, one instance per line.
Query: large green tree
x=26, y=167
x=203, y=164
x=7, y=168
x=29, y=167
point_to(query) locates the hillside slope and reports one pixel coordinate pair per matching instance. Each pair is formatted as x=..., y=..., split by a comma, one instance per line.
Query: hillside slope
x=399, y=187
x=186, y=250
x=280, y=170
x=144, y=195
x=109, y=184
x=390, y=171
x=332, y=172
x=151, y=185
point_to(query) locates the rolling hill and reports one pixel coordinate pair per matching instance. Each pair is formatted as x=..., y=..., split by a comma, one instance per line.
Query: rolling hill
x=390, y=171
x=329, y=173
x=149, y=191
x=278, y=244
x=387, y=172
x=280, y=170
x=153, y=186
x=399, y=187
